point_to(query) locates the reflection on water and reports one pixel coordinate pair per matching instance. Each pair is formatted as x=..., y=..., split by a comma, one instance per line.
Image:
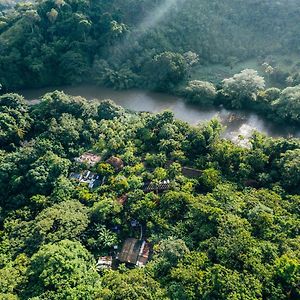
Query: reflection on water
x=237, y=122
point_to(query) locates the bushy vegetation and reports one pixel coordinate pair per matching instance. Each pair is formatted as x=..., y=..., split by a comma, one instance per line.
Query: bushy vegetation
x=154, y=45
x=231, y=233
x=247, y=90
x=121, y=43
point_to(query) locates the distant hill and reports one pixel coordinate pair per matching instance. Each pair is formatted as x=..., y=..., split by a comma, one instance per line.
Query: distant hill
x=64, y=42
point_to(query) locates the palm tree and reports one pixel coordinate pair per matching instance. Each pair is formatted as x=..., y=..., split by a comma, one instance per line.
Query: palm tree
x=106, y=238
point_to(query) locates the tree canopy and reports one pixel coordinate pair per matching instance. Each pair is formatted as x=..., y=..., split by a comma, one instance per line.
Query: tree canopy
x=79, y=179
x=230, y=231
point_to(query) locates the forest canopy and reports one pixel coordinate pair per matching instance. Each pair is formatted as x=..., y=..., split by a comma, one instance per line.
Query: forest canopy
x=135, y=44
x=118, y=42
x=99, y=202
x=226, y=226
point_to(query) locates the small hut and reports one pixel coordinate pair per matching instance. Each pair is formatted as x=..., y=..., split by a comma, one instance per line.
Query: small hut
x=104, y=262
x=93, y=180
x=88, y=158
x=159, y=187
x=134, y=252
x=191, y=172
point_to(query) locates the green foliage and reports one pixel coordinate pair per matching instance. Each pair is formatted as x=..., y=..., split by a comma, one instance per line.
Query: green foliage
x=289, y=168
x=173, y=205
x=287, y=272
x=188, y=276
x=106, y=238
x=230, y=233
x=168, y=253
x=200, y=92
x=12, y=276
x=53, y=105
x=288, y=104
x=131, y=285
x=224, y=284
x=45, y=171
x=166, y=70
x=66, y=220
x=123, y=78
x=211, y=178
x=108, y=110
x=242, y=87
x=14, y=120
x=61, y=270
x=105, y=169
x=105, y=210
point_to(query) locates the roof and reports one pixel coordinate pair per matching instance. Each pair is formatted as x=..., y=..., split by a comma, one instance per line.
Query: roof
x=160, y=187
x=144, y=254
x=130, y=251
x=104, y=262
x=92, y=179
x=134, y=252
x=76, y=176
x=251, y=183
x=116, y=162
x=88, y=158
x=191, y=172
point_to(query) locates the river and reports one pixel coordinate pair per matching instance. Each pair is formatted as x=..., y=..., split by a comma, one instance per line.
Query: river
x=237, y=122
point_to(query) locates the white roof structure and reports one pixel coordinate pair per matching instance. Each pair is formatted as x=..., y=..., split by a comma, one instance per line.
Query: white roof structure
x=88, y=158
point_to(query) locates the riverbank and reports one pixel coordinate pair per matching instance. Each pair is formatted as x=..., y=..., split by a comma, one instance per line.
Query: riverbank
x=237, y=122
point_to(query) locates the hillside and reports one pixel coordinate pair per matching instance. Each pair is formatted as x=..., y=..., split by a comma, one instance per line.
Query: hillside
x=114, y=42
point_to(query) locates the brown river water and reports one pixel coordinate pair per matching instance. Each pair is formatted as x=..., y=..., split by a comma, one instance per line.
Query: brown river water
x=237, y=122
